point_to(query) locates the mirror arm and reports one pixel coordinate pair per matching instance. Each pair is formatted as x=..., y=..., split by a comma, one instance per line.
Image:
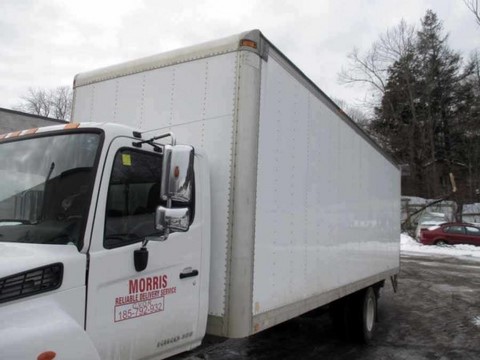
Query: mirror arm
x=151, y=140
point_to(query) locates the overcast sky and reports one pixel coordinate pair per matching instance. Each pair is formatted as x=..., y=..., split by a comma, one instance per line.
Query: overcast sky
x=45, y=43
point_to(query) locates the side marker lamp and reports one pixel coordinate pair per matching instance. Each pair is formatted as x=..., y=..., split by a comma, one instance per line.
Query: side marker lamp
x=29, y=131
x=249, y=43
x=46, y=355
x=71, y=126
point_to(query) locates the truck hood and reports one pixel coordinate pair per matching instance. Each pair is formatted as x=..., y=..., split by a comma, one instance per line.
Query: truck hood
x=18, y=257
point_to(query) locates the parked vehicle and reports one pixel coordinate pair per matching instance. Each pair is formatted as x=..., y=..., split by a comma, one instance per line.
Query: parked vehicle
x=451, y=234
x=428, y=219
x=130, y=244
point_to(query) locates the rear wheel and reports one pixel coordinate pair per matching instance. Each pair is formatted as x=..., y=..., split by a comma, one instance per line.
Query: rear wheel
x=368, y=311
x=355, y=316
x=441, y=243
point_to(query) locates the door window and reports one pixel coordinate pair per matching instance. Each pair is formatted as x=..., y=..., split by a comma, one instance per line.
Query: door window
x=455, y=230
x=473, y=231
x=133, y=196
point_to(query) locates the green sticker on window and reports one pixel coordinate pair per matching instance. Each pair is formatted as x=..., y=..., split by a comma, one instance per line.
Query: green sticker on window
x=126, y=160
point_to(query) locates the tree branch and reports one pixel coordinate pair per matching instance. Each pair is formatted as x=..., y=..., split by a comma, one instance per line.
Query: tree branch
x=473, y=6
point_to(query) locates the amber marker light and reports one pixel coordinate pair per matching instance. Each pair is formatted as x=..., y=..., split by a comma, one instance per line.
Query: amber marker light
x=249, y=43
x=29, y=131
x=176, y=172
x=14, y=134
x=71, y=126
x=47, y=355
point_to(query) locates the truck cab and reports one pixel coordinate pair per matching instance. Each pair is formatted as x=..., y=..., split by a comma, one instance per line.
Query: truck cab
x=104, y=243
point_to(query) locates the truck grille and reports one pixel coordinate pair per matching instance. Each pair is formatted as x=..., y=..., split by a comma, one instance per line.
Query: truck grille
x=31, y=282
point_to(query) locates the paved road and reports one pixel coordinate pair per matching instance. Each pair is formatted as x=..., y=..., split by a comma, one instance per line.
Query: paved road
x=431, y=317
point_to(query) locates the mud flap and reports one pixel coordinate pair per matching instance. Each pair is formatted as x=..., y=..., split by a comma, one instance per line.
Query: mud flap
x=394, y=281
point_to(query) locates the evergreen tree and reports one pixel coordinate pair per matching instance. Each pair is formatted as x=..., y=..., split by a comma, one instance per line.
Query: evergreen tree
x=426, y=108
x=396, y=117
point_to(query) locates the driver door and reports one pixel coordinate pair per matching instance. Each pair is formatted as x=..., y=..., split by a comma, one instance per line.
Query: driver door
x=132, y=314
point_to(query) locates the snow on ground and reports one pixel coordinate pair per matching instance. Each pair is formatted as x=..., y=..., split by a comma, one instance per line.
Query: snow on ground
x=410, y=245
x=476, y=321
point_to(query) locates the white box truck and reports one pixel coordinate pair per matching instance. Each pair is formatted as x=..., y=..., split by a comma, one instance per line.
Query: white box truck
x=210, y=189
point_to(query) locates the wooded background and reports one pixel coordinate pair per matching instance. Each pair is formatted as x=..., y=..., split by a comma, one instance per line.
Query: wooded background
x=426, y=106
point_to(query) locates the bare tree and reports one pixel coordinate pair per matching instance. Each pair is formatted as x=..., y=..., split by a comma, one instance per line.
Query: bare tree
x=62, y=102
x=354, y=112
x=475, y=60
x=474, y=7
x=372, y=67
x=36, y=101
x=55, y=103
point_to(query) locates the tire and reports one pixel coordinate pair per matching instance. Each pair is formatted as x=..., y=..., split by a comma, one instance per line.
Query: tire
x=354, y=317
x=368, y=310
x=441, y=243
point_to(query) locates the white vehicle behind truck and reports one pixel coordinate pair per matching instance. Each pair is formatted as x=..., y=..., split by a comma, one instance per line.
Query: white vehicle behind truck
x=213, y=189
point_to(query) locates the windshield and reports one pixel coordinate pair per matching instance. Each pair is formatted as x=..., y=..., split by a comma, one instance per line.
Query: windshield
x=46, y=188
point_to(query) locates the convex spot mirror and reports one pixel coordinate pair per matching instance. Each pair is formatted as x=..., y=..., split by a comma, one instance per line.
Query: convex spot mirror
x=167, y=219
x=177, y=173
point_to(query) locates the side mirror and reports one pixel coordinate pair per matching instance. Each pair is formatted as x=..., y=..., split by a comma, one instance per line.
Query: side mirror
x=177, y=173
x=167, y=219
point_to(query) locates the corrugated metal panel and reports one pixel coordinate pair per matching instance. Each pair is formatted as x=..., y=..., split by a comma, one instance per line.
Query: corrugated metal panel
x=327, y=201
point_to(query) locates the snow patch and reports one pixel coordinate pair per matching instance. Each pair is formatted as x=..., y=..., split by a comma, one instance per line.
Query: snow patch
x=476, y=321
x=416, y=200
x=410, y=245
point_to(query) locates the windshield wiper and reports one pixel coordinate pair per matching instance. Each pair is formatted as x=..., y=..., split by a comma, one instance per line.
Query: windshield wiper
x=52, y=166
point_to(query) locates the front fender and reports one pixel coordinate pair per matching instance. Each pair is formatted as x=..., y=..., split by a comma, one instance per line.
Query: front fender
x=28, y=328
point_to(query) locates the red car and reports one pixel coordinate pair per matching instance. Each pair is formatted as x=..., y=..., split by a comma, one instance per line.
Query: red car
x=451, y=234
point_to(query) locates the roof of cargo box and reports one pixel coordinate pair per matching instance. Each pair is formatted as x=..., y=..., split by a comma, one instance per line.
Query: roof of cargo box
x=190, y=53
x=252, y=40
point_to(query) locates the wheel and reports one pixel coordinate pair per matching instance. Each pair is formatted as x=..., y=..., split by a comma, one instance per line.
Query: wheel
x=441, y=243
x=354, y=317
x=363, y=315
x=369, y=316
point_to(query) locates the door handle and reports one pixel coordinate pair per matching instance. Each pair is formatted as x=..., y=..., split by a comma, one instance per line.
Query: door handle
x=188, y=272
